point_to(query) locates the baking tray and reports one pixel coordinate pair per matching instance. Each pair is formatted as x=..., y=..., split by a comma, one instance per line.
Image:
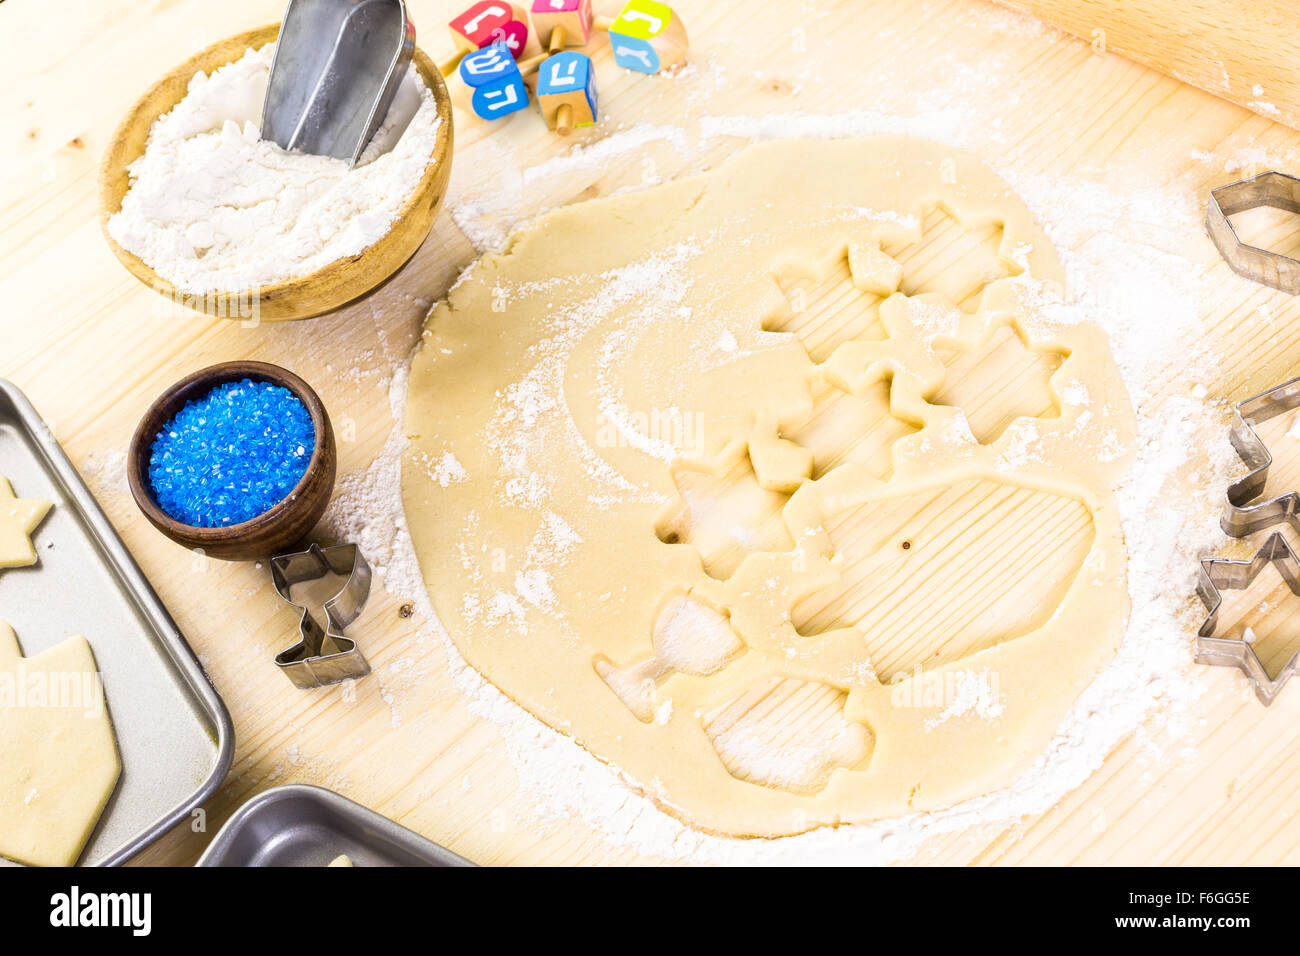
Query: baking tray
x=301, y=825
x=173, y=731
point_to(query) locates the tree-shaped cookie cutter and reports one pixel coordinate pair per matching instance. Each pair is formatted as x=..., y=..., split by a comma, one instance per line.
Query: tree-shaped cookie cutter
x=1267, y=189
x=324, y=655
x=1218, y=574
x=1241, y=517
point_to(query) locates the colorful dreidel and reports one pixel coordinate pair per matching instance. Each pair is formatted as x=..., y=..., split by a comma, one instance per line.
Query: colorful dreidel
x=566, y=91
x=561, y=23
x=489, y=84
x=487, y=23
x=647, y=37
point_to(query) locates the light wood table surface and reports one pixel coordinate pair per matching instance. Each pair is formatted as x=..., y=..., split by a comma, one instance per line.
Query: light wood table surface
x=92, y=347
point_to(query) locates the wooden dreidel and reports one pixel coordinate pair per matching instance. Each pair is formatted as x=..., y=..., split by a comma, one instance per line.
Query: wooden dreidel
x=488, y=83
x=561, y=23
x=566, y=91
x=647, y=37
x=487, y=23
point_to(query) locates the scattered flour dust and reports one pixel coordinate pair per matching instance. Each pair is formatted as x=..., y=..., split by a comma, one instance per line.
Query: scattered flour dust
x=447, y=469
x=534, y=409
x=976, y=696
x=213, y=207
x=1128, y=273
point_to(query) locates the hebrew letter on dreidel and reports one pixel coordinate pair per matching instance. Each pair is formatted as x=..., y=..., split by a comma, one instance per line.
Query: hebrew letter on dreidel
x=501, y=99
x=566, y=91
x=471, y=27
x=647, y=37
x=564, y=74
x=646, y=57
x=653, y=24
x=489, y=63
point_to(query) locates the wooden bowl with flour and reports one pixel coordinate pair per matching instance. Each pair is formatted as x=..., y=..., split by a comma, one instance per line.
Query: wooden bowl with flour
x=300, y=297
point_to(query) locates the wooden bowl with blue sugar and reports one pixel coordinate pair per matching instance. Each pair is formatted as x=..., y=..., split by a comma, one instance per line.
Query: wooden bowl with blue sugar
x=240, y=506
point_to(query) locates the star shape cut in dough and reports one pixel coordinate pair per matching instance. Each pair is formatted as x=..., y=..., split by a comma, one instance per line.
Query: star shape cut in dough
x=996, y=378
x=723, y=511
x=18, y=519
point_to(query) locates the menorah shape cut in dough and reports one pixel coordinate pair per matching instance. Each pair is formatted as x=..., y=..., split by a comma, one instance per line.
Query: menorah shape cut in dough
x=57, y=751
x=650, y=364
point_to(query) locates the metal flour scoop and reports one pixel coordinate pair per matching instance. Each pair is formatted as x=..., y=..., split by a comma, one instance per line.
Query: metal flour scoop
x=338, y=65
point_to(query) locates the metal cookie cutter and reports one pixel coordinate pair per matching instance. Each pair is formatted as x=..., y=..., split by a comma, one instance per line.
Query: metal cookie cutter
x=1267, y=189
x=1240, y=517
x=1218, y=574
x=323, y=655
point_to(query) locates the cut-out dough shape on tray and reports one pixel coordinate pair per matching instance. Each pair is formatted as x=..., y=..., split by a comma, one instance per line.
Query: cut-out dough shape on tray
x=616, y=352
x=57, y=751
x=19, y=517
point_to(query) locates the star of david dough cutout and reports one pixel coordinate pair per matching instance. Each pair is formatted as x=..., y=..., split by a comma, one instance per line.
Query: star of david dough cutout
x=18, y=519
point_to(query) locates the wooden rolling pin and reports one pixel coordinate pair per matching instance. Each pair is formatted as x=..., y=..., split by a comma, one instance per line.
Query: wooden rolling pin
x=1242, y=50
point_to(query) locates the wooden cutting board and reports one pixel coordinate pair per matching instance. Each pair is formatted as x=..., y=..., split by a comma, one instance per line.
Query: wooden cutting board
x=91, y=347
x=1243, y=52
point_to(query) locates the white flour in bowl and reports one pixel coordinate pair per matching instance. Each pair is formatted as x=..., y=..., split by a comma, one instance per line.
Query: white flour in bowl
x=212, y=207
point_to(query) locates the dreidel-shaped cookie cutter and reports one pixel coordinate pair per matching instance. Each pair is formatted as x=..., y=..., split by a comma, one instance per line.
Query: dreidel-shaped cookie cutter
x=1241, y=517
x=1218, y=574
x=1267, y=189
x=323, y=655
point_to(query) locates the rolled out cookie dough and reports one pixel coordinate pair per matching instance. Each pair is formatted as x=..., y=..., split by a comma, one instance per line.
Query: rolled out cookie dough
x=572, y=391
x=57, y=751
x=18, y=519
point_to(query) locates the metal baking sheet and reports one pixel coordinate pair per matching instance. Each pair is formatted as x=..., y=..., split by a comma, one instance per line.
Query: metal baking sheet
x=300, y=825
x=173, y=731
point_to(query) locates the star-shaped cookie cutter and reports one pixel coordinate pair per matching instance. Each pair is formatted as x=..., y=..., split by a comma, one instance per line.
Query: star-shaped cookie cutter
x=324, y=655
x=1240, y=517
x=1267, y=189
x=1218, y=574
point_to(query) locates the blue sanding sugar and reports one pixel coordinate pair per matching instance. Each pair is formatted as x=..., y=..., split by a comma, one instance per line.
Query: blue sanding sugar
x=232, y=454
